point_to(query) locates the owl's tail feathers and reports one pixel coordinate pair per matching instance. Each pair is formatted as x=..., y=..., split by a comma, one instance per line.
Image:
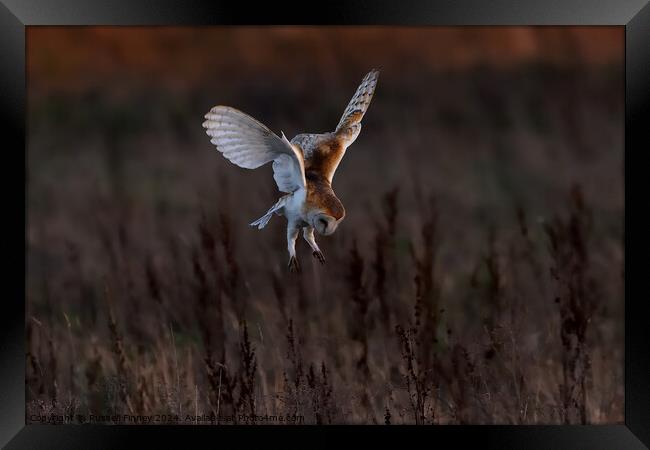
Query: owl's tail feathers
x=262, y=221
x=277, y=209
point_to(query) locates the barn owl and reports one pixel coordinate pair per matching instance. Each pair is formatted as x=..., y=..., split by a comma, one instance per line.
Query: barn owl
x=303, y=168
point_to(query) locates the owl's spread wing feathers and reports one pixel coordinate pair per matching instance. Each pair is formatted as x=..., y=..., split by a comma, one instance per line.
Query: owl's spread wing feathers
x=249, y=144
x=359, y=103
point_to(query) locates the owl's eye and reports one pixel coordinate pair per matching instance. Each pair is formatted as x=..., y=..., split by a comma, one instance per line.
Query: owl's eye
x=323, y=222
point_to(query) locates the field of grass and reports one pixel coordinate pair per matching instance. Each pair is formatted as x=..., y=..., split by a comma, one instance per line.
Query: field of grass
x=477, y=277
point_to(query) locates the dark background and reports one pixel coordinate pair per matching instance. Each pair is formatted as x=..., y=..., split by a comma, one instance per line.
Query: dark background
x=488, y=133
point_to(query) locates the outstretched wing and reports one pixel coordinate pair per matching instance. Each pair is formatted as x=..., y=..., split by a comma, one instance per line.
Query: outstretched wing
x=323, y=152
x=350, y=122
x=249, y=144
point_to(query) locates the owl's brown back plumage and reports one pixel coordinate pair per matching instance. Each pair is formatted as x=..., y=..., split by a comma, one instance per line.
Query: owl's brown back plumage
x=323, y=152
x=320, y=196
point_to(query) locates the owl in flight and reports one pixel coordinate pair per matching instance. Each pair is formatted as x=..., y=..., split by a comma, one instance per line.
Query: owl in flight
x=303, y=168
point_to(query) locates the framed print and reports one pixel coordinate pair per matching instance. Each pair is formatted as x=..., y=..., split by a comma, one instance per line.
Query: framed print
x=385, y=218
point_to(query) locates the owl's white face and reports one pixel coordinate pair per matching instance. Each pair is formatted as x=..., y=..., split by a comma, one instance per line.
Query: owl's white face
x=324, y=224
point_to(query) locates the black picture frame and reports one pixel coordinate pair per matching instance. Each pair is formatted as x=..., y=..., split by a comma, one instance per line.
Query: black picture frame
x=15, y=15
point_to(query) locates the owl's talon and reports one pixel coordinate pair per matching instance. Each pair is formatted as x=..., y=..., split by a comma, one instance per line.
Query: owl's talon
x=293, y=265
x=319, y=256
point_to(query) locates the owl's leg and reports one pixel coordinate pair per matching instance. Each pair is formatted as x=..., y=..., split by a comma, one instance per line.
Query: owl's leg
x=292, y=235
x=308, y=234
